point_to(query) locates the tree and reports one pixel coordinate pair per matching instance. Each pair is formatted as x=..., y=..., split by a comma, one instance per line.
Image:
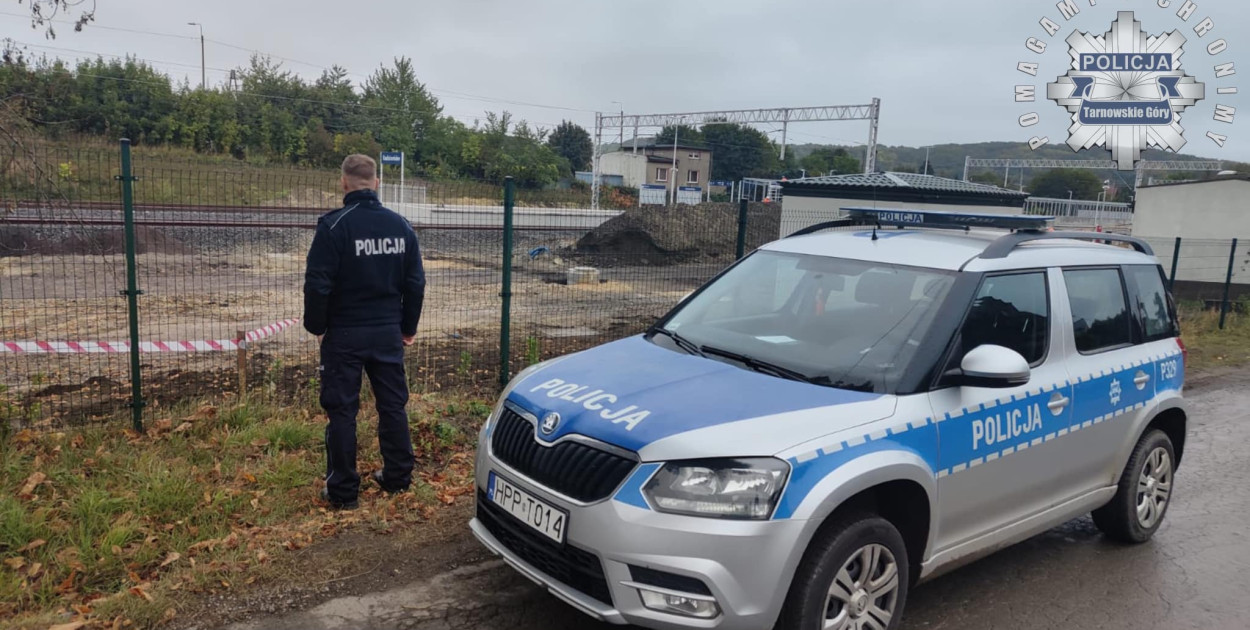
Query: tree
x=831, y=161
x=42, y=12
x=1057, y=182
x=572, y=142
x=740, y=151
x=685, y=134
x=500, y=150
x=401, y=111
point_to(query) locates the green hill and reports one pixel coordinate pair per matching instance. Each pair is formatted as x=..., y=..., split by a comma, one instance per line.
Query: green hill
x=947, y=160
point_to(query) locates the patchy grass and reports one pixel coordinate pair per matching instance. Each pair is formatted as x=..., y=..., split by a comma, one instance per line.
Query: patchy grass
x=1209, y=347
x=109, y=526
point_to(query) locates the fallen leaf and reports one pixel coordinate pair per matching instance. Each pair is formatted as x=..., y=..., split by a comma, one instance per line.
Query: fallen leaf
x=67, y=585
x=34, y=544
x=32, y=481
x=225, y=584
x=73, y=625
x=249, y=478
x=183, y=428
x=170, y=559
x=134, y=577
x=260, y=442
x=34, y=570
x=261, y=556
x=169, y=615
x=139, y=592
x=15, y=563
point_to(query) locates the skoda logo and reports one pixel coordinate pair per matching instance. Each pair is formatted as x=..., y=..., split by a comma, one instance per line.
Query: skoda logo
x=549, y=424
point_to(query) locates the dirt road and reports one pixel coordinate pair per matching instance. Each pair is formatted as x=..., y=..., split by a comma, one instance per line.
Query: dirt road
x=1195, y=574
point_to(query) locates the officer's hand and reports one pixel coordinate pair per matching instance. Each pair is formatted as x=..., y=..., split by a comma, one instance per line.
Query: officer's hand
x=409, y=340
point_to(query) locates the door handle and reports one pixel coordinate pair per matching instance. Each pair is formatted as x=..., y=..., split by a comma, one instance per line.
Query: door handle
x=1141, y=379
x=1057, y=403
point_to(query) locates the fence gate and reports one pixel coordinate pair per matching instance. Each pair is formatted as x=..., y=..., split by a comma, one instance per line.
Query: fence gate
x=63, y=318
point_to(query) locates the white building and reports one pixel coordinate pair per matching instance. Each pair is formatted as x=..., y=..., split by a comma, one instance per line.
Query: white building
x=1206, y=215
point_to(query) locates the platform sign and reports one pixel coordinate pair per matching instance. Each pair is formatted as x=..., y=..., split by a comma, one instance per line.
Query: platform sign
x=653, y=195
x=690, y=195
x=393, y=157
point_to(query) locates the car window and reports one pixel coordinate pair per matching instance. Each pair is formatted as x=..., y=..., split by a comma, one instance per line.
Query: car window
x=844, y=323
x=1100, y=315
x=1153, y=306
x=1010, y=311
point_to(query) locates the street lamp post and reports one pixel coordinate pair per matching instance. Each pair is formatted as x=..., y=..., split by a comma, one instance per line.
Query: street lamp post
x=203, y=72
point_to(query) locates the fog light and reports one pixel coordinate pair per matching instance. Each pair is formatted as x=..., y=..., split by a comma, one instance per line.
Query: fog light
x=686, y=605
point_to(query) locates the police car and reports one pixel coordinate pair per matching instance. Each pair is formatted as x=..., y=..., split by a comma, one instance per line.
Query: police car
x=838, y=416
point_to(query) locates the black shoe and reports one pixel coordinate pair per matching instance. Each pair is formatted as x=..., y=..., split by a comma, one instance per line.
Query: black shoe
x=338, y=505
x=377, y=478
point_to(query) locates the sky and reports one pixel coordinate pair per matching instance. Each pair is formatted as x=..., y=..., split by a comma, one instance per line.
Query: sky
x=945, y=70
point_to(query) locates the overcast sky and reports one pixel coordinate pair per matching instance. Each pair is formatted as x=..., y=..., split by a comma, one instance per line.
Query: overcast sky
x=945, y=70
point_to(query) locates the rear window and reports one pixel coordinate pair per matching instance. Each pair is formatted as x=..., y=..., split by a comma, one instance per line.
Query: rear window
x=1154, y=309
x=1100, y=314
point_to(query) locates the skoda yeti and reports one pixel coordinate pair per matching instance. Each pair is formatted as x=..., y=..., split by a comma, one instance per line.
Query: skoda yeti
x=838, y=416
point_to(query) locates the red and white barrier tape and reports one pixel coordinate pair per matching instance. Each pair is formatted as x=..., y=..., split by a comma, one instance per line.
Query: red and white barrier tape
x=105, y=347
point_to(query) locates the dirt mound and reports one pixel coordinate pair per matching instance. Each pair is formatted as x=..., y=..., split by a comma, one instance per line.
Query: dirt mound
x=662, y=235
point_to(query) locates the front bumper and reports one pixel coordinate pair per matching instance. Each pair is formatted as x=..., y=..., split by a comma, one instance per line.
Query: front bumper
x=746, y=565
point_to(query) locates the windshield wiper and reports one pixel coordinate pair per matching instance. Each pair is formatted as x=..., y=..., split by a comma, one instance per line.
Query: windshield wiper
x=766, y=367
x=682, y=342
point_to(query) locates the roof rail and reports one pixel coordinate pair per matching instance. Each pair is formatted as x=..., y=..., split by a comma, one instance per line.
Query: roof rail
x=827, y=225
x=1004, y=245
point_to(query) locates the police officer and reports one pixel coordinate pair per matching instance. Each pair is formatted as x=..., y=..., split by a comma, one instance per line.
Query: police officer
x=363, y=291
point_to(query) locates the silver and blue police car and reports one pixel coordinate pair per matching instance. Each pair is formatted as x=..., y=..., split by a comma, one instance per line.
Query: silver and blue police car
x=838, y=416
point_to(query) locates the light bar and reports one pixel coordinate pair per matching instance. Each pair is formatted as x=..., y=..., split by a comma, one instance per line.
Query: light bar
x=940, y=219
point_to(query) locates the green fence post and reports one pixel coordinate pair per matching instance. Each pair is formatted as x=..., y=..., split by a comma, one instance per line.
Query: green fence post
x=1228, y=281
x=132, y=291
x=1176, y=258
x=742, y=229
x=505, y=319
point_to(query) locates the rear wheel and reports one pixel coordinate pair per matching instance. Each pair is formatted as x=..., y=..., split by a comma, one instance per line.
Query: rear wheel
x=854, y=577
x=1144, y=493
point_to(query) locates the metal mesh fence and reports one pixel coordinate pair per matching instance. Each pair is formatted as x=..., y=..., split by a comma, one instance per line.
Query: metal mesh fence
x=220, y=251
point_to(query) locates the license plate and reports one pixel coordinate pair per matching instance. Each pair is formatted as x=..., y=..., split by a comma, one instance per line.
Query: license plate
x=543, y=518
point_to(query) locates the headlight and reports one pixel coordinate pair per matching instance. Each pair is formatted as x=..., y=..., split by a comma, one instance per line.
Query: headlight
x=723, y=488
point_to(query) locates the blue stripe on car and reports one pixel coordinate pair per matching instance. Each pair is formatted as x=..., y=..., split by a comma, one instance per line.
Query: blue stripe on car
x=1093, y=402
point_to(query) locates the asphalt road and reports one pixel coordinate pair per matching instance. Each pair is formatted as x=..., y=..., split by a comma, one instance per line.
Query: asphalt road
x=1194, y=574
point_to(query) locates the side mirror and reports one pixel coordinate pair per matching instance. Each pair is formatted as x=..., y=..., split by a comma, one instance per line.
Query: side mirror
x=991, y=366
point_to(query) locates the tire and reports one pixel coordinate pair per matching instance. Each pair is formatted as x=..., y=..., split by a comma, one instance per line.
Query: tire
x=1144, y=492
x=840, y=550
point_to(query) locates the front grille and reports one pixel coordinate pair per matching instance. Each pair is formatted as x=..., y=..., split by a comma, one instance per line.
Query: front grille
x=569, y=565
x=575, y=470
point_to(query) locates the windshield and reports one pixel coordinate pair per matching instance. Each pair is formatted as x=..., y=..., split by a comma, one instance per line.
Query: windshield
x=837, y=322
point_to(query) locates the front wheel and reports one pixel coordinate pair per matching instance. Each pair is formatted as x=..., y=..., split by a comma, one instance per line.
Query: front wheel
x=854, y=577
x=1144, y=493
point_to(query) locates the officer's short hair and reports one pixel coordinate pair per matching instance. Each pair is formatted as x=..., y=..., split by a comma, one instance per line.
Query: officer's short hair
x=360, y=169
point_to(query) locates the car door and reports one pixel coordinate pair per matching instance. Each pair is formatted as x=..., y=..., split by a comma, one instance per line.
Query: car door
x=995, y=463
x=1112, y=374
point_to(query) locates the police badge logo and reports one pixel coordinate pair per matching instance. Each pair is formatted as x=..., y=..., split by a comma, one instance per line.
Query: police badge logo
x=1126, y=90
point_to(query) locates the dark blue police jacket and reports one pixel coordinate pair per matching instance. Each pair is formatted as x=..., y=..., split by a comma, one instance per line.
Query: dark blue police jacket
x=364, y=269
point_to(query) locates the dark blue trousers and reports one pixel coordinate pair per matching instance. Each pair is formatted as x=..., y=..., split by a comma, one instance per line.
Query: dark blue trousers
x=345, y=354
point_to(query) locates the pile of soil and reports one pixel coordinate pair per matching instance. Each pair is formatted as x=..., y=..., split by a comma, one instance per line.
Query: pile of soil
x=665, y=236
